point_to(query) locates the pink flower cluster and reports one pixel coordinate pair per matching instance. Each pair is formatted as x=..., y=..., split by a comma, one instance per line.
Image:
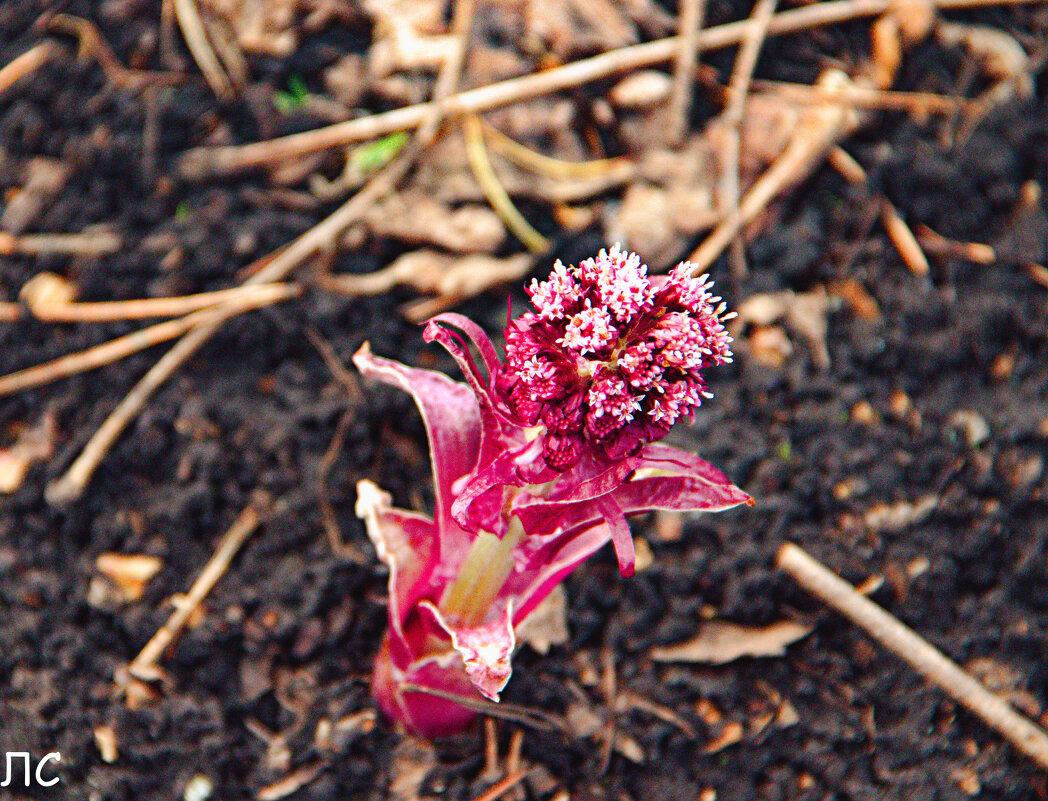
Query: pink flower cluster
x=536, y=461
x=610, y=359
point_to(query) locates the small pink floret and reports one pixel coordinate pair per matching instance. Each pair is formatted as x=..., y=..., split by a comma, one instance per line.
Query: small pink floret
x=554, y=295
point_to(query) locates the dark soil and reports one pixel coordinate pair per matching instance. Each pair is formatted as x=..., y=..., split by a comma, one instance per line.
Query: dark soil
x=941, y=402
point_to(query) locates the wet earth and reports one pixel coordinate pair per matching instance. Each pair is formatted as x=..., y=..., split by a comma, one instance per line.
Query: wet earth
x=908, y=443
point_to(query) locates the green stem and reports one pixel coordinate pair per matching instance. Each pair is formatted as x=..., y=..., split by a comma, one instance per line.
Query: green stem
x=485, y=570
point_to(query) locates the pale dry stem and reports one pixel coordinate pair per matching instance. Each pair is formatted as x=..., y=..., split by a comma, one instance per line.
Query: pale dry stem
x=890, y=632
x=813, y=138
x=108, y=311
x=494, y=191
x=692, y=13
x=738, y=90
x=25, y=64
x=192, y=25
x=121, y=347
x=869, y=98
x=143, y=665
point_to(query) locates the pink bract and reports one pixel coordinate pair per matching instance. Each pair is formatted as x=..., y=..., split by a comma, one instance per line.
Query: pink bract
x=536, y=461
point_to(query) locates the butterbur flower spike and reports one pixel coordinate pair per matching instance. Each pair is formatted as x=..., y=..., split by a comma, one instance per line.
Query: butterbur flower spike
x=536, y=460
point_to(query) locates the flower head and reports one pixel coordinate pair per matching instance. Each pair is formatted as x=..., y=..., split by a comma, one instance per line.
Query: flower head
x=609, y=358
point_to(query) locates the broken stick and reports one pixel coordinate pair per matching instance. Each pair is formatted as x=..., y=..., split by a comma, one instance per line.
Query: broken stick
x=927, y=660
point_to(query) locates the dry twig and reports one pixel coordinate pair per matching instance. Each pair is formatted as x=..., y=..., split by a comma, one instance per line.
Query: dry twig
x=108, y=311
x=894, y=225
x=25, y=64
x=692, y=13
x=1029, y=738
x=89, y=244
x=817, y=133
x=738, y=89
x=121, y=347
x=92, y=42
x=869, y=98
x=143, y=666
x=189, y=20
x=494, y=191
x=497, y=790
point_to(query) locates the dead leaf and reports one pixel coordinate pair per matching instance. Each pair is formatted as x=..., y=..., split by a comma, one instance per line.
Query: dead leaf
x=44, y=179
x=720, y=642
x=427, y=271
x=862, y=303
x=413, y=759
x=105, y=742
x=997, y=52
x=900, y=515
x=130, y=572
x=730, y=734
x=267, y=27
x=413, y=217
x=641, y=90
x=804, y=313
x=771, y=347
x=547, y=625
x=34, y=444
x=45, y=293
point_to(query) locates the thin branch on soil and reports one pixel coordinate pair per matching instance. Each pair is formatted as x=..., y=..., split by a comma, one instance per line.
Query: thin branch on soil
x=189, y=20
x=205, y=162
x=814, y=137
x=25, y=64
x=738, y=90
x=497, y=790
x=121, y=347
x=919, y=653
x=109, y=311
x=541, y=164
x=938, y=245
x=339, y=546
x=869, y=98
x=71, y=485
x=143, y=666
x=494, y=191
x=692, y=13
x=894, y=225
x=90, y=244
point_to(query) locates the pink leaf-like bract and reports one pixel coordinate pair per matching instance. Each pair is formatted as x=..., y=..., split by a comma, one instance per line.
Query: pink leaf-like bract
x=536, y=462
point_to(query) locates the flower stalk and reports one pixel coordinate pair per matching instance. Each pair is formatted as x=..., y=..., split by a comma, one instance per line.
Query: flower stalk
x=537, y=460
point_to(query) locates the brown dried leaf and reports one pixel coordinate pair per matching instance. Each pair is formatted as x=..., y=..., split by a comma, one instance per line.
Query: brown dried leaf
x=413, y=217
x=44, y=179
x=45, y=292
x=730, y=734
x=643, y=89
x=267, y=27
x=34, y=444
x=720, y=642
x=548, y=624
x=130, y=572
x=900, y=515
x=804, y=313
x=413, y=759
